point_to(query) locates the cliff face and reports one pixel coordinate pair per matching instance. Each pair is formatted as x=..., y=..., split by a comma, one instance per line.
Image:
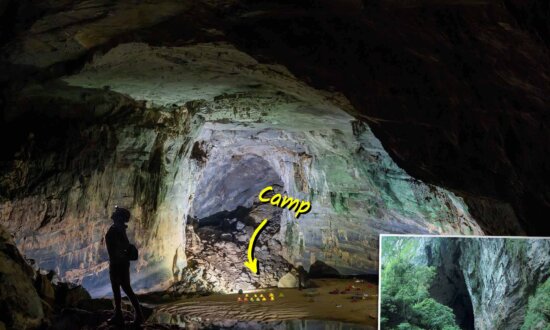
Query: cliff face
x=502, y=278
x=212, y=127
x=490, y=279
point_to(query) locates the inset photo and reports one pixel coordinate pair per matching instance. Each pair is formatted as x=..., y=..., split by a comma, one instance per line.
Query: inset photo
x=458, y=282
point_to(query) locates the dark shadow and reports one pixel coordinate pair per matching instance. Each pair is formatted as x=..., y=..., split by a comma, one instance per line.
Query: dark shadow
x=449, y=286
x=219, y=218
x=320, y=269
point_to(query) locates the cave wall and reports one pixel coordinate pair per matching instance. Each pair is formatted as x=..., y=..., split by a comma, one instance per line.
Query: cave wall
x=163, y=119
x=455, y=90
x=66, y=180
x=499, y=274
x=449, y=285
x=503, y=277
x=22, y=307
x=144, y=83
x=467, y=112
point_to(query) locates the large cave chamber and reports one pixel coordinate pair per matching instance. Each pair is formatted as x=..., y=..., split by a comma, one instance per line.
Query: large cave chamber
x=186, y=137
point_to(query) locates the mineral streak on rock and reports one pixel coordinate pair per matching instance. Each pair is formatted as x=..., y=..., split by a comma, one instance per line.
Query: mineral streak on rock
x=197, y=131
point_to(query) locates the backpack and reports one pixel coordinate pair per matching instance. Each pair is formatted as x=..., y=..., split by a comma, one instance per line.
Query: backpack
x=132, y=252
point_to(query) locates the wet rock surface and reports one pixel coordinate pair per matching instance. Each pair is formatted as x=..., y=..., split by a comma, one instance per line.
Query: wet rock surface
x=93, y=314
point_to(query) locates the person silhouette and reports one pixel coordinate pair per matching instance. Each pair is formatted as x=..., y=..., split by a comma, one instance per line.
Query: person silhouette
x=119, y=266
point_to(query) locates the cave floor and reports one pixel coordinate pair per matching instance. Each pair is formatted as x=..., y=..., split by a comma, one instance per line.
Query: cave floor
x=315, y=304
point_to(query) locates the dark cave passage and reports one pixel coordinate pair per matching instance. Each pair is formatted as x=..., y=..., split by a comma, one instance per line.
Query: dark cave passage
x=227, y=199
x=230, y=183
x=223, y=217
x=461, y=304
x=449, y=286
x=218, y=219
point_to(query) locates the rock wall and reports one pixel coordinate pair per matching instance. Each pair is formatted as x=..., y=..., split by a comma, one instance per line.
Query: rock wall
x=502, y=278
x=20, y=303
x=499, y=274
x=188, y=132
x=65, y=181
x=455, y=90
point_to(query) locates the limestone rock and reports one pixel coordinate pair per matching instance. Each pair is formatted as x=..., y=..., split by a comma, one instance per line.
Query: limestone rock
x=45, y=288
x=480, y=272
x=21, y=304
x=289, y=280
x=95, y=119
x=204, y=150
x=70, y=295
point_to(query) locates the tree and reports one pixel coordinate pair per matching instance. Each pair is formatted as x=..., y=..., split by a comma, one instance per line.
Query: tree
x=406, y=302
x=538, y=309
x=432, y=315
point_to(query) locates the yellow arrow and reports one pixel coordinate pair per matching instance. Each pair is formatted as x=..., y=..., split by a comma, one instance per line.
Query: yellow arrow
x=253, y=263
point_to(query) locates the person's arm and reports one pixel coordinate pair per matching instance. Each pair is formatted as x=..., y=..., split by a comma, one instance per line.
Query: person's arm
x=117, y=245
x=125, y=242
x=111, y=244
x=122, y=246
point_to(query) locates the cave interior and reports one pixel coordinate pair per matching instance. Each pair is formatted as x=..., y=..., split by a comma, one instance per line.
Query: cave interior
x=389, y=117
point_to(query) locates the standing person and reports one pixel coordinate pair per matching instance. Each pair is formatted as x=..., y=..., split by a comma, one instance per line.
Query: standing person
x=118, y=248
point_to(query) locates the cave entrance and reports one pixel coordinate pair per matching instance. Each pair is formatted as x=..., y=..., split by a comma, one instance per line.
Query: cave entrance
x=450, y=286
x=228, y=191
x=223, y=217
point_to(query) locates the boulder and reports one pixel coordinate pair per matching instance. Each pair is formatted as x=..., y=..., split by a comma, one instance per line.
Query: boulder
x=45, y=289
x=240, y=225
x=288, y=280
x=67, y=295
x=20, y=304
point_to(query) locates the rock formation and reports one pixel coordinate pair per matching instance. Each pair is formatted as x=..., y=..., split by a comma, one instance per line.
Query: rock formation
x=487, y=281
x=201, y=130
x=20, y=303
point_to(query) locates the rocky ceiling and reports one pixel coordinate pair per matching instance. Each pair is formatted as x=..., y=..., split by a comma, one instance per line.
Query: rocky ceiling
x=409, y=117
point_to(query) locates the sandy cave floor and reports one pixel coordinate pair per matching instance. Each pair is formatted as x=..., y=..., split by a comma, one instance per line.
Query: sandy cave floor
x=308, y=304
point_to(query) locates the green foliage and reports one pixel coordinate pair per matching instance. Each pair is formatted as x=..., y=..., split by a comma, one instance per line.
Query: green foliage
x=433, y=315
x=406, y=303
x=538, y=309
x=407, y=326
x=516, y=248
x=403, y=246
